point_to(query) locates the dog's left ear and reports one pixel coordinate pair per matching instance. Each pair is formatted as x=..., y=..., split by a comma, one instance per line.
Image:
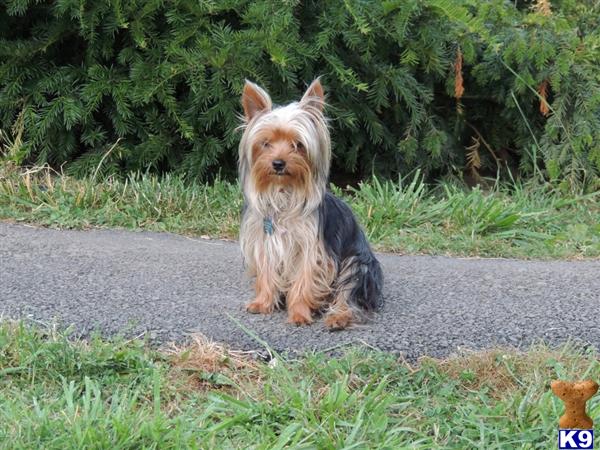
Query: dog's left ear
x=254, y=100
x=314, y=96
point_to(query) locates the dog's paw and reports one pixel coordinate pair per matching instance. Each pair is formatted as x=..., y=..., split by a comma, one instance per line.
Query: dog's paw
x=300, y=316
x=260, y=307
x=338, y=321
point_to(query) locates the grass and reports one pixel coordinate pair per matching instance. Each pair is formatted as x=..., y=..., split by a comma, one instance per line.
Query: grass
x=64, y=394
x=407, y=216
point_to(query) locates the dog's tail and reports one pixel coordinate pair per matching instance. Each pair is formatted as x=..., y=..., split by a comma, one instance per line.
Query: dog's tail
x=361, y=278
x=367, y=290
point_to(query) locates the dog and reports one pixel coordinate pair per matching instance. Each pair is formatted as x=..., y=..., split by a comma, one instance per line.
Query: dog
x=301, y=243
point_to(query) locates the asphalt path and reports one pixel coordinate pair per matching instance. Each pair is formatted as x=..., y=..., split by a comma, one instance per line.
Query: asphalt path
x=166, y=287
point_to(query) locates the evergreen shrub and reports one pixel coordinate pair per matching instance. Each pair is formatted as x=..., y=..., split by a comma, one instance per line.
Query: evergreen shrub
x=445, y=86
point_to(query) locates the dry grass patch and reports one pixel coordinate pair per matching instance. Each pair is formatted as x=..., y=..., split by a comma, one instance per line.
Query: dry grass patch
x=203, y=365
x=503, y=371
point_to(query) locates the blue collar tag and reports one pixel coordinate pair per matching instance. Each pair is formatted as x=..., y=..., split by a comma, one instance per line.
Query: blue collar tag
x=268, y=225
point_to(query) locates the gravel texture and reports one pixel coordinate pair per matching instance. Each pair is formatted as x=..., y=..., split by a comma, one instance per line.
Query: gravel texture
x=168, y=286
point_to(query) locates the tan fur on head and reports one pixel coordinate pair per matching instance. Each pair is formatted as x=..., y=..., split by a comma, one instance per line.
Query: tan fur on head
x=283, y=145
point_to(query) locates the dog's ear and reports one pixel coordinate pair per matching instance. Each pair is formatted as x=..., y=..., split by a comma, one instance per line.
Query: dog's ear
x=254, y=100
x=314, y=96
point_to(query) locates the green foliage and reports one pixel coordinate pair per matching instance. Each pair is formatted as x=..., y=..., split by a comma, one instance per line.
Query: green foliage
x=131, y=85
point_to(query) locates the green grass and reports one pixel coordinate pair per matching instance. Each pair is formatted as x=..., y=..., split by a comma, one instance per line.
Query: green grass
x=520, y=220
x=57, y=393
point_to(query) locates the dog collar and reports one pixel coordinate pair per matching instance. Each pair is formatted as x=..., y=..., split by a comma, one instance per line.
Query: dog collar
x=268, y=225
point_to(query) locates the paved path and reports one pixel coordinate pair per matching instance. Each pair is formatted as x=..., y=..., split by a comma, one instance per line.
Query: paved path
x=170, y=286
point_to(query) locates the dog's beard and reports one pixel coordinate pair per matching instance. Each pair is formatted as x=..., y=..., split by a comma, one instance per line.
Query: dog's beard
x=277, y=199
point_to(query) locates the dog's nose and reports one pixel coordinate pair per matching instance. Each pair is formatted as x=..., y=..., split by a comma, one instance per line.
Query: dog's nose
x=278, y=165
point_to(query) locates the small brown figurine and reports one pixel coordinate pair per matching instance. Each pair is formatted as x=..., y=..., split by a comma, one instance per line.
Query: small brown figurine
x=574, y=395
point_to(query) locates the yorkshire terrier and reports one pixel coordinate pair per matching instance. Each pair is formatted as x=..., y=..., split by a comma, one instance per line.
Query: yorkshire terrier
x=302, y=244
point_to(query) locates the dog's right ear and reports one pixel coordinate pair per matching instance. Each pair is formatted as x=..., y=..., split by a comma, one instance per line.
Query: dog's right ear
x=314, y=96
x=254, y=100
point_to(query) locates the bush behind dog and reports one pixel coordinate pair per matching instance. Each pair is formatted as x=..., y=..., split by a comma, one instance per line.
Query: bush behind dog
x=445, y=86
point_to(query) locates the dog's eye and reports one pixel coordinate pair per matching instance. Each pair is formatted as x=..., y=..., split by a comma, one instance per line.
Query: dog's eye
x=299, y=147
x=266, y=144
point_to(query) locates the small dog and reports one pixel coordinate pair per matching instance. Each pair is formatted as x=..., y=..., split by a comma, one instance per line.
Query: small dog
x=301, y=243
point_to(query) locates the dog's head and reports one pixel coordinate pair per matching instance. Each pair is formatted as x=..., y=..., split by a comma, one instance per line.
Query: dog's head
x=284, y=149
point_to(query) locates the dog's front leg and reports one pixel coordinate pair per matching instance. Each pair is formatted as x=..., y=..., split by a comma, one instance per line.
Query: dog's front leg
x=266, y=289
x=304, y=297
x=299, y=301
